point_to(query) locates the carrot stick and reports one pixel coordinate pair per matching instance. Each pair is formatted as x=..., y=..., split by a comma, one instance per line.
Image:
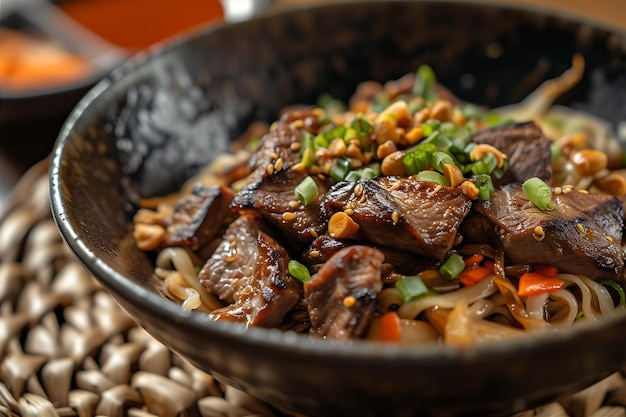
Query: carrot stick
x=532, y=283
x=474, y=259
x=390, y=327
x=547, y=270
x=470, y=277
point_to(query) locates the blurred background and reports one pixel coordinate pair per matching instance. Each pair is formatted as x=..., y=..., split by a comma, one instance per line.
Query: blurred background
x=52, y=52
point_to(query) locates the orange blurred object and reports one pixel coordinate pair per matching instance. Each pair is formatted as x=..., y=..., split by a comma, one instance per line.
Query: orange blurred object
x=28, y=62
x=137, y=24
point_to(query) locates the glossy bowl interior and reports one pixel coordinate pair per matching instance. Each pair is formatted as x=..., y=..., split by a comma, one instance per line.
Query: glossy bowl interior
x=163, y=115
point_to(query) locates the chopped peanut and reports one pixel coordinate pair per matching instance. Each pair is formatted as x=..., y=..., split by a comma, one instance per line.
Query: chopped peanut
x=148, y=236
x=385, y=149
x=392, y=164
x=613, y=183
x=589, y=161
x=398, y=111
x=442, y=111
x=453, y=174
x=341, y=226
x=337, y=147
x=414, y=135
x=470, y=189
x=483, y=149
x=385, y=129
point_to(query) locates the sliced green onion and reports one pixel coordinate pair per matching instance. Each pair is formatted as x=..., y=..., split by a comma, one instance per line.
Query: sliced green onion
x=453, y=266
x=306, y=191
x=538, y=192
x=411, y=288
x=484, y=185
x=340, y=169
x=440, y=141
x=306, y=142
x=485, y=165
x=320, y=142
x=368, y=173
x=432, y=176
x=334, y=133
x=331, y=105
x=618, y=289
x=430, y=126
x=298, y=271
x=361, y=126
x=424, y=84
x=308, y=158
x=555, y=151
x=416, y=161
x=439, y=159
x=353, y=176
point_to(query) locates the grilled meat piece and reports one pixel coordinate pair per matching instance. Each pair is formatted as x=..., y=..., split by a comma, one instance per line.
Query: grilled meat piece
x=526, y=147
x=581, y=235
x=402, y=213
x=273, y=197
x=277, y=144
x=190, y=224
x=249, y=270
x=341, y=295
x=324, y=247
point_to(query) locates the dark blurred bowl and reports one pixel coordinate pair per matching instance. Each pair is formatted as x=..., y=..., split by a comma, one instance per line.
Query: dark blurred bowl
x=163, y=115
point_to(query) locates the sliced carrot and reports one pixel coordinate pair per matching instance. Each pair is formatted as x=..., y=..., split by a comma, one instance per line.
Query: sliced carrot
x=533, y=283
x=474, y=259
x=390, y=327
x=489, y=264
x=470, y=277
x=547, y=270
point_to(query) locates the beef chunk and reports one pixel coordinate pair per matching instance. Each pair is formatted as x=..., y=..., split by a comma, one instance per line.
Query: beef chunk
x=324, y=247
x=277, y=143
x=341, y=295
x=273, y=196
x=190, y=224
x=527, y=150
x=248, y=270
x=408, y=215
x=583, y=233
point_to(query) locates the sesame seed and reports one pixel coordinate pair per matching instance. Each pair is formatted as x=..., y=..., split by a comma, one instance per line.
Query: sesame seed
x=395, y=217
x=274, y=155
x=270, y=169
x=314, y=254
x=296, y=124
x=358, y=190
x=349, y=301
x=349, y=211
x=539, y=234
x=567, y=190
x=322, y=177
x=584, y=191
x=295, y=146
x=609, y=238
x=313, y=233
x=580, y=228
x=557, y=190
x=289, y=216
x=278, y=165
x=294, y=204
x=299, y=167
x=234, y=281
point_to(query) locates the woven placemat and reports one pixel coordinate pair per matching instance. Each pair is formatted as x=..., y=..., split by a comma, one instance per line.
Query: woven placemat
x=67, y=348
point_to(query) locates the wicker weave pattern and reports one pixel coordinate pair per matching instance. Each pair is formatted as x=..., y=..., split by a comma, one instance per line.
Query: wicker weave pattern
x=67, y=349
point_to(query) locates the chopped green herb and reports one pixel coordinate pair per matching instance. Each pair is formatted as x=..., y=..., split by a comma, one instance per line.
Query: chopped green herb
x=306, y=191
x=298, y=271
x=424, y=84
x=411, y=288
x=340, y=169
x=538, y=192
x=621, y=295
x=453, y=266
x=432, y=176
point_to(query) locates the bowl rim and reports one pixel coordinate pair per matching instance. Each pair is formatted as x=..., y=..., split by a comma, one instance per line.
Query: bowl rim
x=274, y=339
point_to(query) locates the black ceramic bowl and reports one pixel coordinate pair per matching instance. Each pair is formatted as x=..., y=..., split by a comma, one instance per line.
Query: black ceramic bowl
x=163, y=115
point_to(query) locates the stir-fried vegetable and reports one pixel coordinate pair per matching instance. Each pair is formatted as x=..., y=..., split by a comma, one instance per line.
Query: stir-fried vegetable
x=538, y=192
